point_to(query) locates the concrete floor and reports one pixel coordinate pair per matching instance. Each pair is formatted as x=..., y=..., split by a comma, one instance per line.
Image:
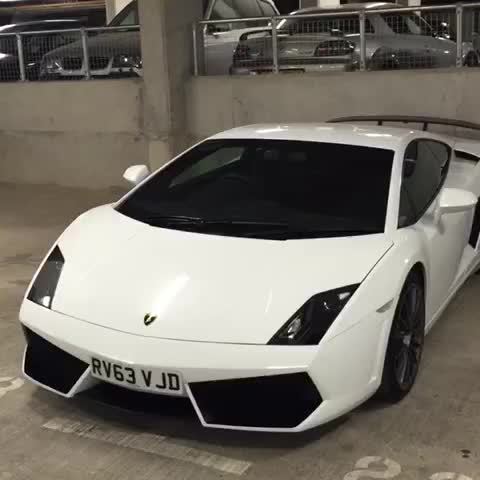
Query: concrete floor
x=433, y=434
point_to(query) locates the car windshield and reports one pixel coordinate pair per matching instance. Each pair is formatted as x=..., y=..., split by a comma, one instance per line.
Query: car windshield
x=271, y=189
x=127, y=17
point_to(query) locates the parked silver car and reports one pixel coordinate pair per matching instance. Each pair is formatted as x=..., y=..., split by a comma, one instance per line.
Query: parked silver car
x=393, y=40
x=118, y=54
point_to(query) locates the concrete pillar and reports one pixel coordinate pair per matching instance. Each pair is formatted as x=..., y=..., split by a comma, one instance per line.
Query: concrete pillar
x=115, y=6
x=166, y=37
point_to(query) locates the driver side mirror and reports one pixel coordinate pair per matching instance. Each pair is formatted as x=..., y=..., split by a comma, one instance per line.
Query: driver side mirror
x=455, y=200
x=136, y=174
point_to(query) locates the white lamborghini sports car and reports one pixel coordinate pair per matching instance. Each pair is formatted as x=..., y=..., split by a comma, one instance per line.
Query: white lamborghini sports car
x=276, y=275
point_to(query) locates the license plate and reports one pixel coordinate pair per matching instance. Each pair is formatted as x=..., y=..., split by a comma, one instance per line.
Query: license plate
x=153, y=380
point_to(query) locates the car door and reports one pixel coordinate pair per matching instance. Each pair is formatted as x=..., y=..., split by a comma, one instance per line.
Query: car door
x=222, y=39
x=425, y=169
x=441, y=50
x=412, y=49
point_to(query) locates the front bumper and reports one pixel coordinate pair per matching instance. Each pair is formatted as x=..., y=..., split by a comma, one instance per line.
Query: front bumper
x=243, y=387
x=294, y=68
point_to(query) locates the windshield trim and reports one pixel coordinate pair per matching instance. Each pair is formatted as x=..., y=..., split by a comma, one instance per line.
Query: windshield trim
x=297, y=219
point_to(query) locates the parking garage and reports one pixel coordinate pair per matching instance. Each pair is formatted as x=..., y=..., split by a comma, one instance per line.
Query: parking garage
x=84, y=102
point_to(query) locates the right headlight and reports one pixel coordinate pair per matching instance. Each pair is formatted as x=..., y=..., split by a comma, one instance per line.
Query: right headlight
x=45, y=285
x=309, y=324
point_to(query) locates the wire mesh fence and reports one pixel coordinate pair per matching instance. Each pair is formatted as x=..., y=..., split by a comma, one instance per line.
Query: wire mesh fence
x=363, y=39
x=71, y=54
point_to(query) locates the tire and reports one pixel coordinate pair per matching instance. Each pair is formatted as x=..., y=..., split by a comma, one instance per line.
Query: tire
x=471, y=60
x=406, y=341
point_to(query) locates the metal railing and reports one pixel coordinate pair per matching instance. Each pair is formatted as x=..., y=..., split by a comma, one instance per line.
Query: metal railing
x=357, y=39
x=71, y=54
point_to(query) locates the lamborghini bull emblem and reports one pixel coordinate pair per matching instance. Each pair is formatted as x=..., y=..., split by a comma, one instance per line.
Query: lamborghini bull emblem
x=148, y=319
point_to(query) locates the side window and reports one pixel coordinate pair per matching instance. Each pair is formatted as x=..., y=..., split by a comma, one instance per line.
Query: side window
x=424, y=170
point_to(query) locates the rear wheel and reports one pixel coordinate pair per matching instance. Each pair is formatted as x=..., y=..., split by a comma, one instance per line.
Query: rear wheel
x=406, y=342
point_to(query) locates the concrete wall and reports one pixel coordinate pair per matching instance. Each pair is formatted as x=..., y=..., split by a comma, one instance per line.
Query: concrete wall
x=216, y=103
x=71, y=133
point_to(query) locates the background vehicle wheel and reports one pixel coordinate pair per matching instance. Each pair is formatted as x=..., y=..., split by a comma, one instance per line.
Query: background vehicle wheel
x=471, y=60
x=405, y=345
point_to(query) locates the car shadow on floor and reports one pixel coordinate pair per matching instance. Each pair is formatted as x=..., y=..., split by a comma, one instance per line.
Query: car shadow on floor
x=176, y=418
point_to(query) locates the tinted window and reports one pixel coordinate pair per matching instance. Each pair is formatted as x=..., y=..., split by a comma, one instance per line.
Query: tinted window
x=425, y=167
x=269, y=189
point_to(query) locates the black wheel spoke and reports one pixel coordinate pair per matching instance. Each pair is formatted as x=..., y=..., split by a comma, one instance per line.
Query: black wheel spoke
x=402, y=364
x=407, y=336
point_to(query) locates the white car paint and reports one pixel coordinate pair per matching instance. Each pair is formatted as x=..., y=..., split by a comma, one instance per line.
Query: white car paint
x=220, y=299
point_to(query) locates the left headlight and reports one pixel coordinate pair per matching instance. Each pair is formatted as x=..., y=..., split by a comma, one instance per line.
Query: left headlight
x=127, y=61
x=309, y=324
x=45, y=285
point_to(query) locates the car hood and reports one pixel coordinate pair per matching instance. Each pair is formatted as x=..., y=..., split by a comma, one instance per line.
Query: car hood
x=103, y=44
x=289, y=46
x=199, y=287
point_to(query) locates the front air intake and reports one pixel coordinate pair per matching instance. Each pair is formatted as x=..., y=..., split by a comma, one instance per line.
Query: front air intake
x=277, y=401
x=49, y=365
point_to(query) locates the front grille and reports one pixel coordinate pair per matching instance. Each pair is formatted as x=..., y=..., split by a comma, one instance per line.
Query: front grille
x=72, y=63
x=278, y=401
x=99, y=63
x=51, y=366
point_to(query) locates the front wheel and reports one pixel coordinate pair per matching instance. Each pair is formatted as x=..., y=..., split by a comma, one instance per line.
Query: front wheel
x=471, y=60
x=406, y=342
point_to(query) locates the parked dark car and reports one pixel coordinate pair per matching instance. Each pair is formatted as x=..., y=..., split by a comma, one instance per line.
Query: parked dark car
x=34, y=46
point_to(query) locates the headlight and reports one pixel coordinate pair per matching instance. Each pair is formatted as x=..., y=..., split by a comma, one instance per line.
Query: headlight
x=311, y=322
x=52, y=65
x=334, y=48
x=43, y=289
x=127, y=61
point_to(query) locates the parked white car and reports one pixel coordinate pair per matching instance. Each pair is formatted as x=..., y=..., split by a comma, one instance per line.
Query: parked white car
x=276, y=275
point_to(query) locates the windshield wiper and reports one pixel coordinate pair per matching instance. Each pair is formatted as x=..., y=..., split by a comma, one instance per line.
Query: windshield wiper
x=199, y=221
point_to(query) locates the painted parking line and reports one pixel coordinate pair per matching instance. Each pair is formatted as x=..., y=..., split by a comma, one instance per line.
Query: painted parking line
x=149, y=443
x=9, y=384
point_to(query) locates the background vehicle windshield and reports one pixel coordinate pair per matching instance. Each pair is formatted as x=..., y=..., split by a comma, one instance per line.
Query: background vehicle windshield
x=269, y=189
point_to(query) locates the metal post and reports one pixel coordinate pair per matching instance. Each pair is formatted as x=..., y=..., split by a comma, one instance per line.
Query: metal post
x=21, y=57
x=459, y=12
x=363, y=42
x=86, y=57
x=196, y=68
x=276, y=65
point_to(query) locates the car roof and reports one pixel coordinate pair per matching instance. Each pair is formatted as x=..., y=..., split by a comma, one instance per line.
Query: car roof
x=344, y=133
x=348, y=6
x=34, y=23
